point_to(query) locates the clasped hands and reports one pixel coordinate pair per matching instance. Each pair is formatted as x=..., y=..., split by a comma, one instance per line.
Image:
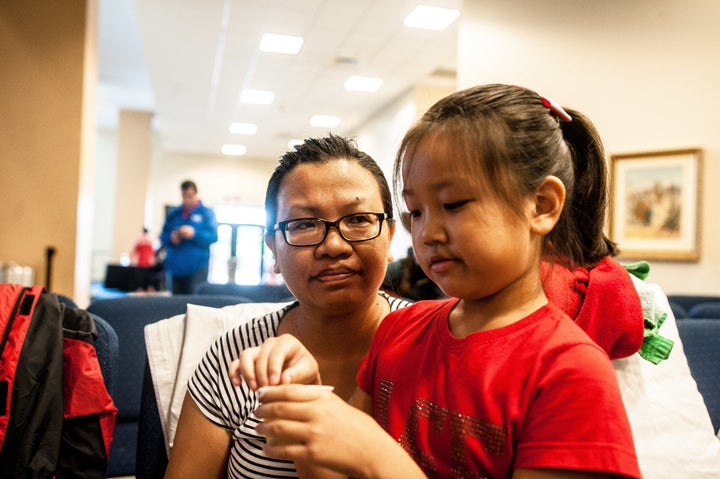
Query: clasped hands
x=181, y=233
x=309, y=425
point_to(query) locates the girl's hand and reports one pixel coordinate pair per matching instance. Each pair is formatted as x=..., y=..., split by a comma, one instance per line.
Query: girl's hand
x=279, y=360
x=317, y=427
x=326, y=436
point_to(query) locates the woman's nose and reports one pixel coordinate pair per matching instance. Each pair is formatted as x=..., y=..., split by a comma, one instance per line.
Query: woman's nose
x=334, y=243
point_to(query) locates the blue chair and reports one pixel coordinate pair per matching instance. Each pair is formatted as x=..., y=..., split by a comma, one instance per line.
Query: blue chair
x=710, y=309
x=687, y=301
x=678, y=311
x=701, y=342
x=128, y=316
x=257, y=293
x=152, y=459
x=62, y=299
x=108, y=352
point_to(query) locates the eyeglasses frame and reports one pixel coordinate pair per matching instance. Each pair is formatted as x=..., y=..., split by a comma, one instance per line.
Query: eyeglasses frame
x=280, y=226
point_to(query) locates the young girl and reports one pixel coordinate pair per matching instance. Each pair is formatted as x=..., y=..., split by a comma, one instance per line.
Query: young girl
x=496, y=381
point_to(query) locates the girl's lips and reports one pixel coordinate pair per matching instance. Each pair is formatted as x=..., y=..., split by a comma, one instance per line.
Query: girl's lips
x=439, y=265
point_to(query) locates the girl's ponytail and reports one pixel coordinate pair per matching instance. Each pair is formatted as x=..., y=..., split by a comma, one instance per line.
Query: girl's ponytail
x=586, y=210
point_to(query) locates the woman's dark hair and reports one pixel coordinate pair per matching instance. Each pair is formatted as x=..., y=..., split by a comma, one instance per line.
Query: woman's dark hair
x=509, y=136
x=323, y=150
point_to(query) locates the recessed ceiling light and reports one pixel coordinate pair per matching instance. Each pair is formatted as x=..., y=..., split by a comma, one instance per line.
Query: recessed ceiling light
x=233, y=150
x=237, y=128
x=259, y=97
x=360, y=83
x=275, y=43
x=431, y=18
x=325, y=121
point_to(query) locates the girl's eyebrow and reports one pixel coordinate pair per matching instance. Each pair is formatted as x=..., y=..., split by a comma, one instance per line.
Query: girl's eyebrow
x=433, y=184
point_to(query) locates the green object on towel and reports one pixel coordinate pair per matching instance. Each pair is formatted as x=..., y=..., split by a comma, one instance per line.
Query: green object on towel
x=641, y=269
x=655, y=348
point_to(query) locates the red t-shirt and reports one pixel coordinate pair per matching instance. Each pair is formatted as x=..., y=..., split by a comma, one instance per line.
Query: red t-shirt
x=144, y=253
x=538, y=393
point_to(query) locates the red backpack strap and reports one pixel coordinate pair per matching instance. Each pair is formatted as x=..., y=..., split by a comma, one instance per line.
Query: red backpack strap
x=17, y=304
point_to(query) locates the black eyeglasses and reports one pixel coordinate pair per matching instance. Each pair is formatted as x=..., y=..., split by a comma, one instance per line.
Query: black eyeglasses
x=313, y=231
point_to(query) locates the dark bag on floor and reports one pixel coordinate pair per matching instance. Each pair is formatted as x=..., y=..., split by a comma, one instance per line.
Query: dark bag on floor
x=56, y=416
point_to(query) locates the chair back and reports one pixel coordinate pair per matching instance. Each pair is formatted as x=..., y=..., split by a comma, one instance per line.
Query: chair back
x=257, y=293
x=701, y=341
x=108, y=352
x=687, y=301
x=128, y=316
x=709, y=309
x=678, y=311
x=152, y=459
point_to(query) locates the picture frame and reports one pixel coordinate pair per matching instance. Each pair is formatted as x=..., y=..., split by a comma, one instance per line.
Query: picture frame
x=655, y=204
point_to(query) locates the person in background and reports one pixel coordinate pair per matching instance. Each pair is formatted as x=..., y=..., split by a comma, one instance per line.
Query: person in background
x=187, y=234
x=143, y=253
x=495, y=381
x=329, y=226
x=406, y=279
x=148, y=274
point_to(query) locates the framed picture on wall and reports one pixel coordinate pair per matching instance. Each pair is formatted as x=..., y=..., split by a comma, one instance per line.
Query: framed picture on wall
x=654, y=204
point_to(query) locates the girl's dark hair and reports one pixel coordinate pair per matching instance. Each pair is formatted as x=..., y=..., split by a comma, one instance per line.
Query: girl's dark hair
x=322, y=150
x=508, y=135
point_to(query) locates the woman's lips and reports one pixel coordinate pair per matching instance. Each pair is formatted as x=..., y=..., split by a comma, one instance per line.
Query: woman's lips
x=334, y=275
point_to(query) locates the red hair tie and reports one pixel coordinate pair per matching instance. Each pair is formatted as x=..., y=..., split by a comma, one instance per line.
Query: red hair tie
x=555, y=107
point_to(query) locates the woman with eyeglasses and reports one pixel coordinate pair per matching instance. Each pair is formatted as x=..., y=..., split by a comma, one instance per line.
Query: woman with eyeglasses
x=329, y=226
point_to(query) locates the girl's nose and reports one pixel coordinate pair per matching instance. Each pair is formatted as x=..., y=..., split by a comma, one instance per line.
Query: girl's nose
x=431, y=230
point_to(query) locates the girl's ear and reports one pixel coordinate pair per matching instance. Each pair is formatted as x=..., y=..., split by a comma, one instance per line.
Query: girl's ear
x=549, y=199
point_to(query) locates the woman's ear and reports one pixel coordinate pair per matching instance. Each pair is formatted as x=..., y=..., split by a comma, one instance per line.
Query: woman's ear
x=270, y=242
x=548, y=202
x=391, y=232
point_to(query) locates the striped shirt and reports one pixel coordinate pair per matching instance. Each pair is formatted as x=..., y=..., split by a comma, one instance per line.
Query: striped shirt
x=232, y=407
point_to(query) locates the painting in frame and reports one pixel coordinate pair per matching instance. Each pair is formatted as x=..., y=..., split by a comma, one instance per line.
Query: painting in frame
x=654, y=204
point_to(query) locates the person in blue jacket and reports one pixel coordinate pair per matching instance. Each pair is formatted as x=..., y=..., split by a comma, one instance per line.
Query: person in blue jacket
x=187, y=234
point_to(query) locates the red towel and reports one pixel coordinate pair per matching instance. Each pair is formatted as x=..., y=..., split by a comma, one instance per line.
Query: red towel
x=603, y=301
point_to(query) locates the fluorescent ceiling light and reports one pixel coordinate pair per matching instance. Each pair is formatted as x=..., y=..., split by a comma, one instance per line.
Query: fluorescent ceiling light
x=233, y=150
x=237, y=128
x=274, y=43
x=259, y=97
x=294, y=142
x=325, y=121
x=360, y=83
x=431, y=18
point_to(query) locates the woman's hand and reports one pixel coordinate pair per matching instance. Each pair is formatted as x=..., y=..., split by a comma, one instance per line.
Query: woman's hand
x=279, y=360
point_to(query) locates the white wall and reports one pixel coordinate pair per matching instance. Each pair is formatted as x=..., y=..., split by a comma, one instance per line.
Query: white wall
x=380, y=137
x=646, y=72
x=220, y=180
x=104, y=212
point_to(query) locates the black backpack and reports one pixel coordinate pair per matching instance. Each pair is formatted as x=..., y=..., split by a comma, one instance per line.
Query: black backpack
x=56, y=416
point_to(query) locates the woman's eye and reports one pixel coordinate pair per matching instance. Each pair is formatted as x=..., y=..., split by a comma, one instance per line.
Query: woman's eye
x=302, y=225
x=414, y=213
x=359, y=219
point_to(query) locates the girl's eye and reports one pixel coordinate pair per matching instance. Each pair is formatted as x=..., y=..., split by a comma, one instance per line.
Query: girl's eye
x=414, y=214
x=455, y=204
